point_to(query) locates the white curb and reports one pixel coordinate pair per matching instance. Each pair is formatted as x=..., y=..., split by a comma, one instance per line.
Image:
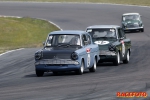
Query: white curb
x=10, y=51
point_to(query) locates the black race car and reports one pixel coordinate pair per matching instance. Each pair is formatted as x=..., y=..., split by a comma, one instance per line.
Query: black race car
x=113, y=44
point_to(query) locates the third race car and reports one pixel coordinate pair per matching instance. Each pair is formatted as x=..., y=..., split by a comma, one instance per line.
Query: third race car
x=132, y=22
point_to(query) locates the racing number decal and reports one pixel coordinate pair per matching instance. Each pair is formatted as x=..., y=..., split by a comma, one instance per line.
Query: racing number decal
x=123, y=48
x=88, y=57
x=101, y=42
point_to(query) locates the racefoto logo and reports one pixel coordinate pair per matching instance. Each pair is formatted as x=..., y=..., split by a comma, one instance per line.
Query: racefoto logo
x=131, y=94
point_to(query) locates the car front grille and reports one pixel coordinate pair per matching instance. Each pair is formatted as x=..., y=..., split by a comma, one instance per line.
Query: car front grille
x=132, y=25
x=107, y=52
x=56, y=62
x=58, y=56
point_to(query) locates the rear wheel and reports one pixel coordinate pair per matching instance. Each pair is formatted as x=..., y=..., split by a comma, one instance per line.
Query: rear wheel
x=81, y=69
x=93, y=68
x=39, y=73
x=117, y=60
x=127, y=58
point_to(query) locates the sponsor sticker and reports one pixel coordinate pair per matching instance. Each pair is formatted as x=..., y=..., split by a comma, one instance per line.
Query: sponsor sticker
x=123, y=48
x=88, y=57
x=88, y=60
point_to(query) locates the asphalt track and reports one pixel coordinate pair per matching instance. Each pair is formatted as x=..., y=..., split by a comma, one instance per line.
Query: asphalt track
x=19, y=82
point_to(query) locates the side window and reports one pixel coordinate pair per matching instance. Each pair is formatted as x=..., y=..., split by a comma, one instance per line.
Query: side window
x=49, y=40
x=84, y=39
x=88, y=39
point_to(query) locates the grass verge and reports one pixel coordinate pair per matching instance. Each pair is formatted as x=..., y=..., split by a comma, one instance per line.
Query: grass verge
x=23, y=32
x=131, y=2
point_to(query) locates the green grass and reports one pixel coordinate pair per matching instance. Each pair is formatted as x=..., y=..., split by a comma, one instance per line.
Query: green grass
x=132, y=2
x=23, y=32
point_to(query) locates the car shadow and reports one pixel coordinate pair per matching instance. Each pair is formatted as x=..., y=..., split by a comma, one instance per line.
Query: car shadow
x=30, y=75
x=48, y=74
x=107, y=64
x=64, y=73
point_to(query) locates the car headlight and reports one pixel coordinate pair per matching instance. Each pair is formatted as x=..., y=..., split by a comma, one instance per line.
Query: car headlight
x=38, y=55
x=112, y=47
x=74, y=56
x=140, y=24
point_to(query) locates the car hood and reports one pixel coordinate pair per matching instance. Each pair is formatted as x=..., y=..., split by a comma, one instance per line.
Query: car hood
x=57, y=52
x=103, y=44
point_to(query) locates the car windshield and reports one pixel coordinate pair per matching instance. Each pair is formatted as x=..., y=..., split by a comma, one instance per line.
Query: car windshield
x=102, y=33
x=131, y=17
x=63, y=40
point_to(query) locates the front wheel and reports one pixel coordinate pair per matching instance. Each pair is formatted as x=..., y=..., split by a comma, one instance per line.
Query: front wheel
x=39, y=73
x=127, y=58
x=142, y=30
x=55, y=73
x=81, y=69
x=117, y=60
x=93, y=68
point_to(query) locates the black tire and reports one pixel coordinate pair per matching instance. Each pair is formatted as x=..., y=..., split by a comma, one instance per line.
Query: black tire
x=55, y=73
x=127, y=58
x=117, y=60
x=39, y=73
x=142, y=30
x=93, y=68
x=81, y=69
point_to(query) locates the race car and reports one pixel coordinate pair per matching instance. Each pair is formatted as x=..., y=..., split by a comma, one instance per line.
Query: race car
x=132, y=21
x=113, y=44
x=67, y=50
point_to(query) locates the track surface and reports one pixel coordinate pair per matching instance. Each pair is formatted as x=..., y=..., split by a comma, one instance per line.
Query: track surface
x=19, y=82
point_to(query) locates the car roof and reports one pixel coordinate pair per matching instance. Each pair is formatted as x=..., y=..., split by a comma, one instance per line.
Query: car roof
x=104, y=26
x=130, y=14
x=68, y=32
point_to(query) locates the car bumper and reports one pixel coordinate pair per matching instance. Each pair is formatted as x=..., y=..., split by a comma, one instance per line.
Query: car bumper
x=55, y=65
x=135, y=28
x=45, y=67
x=107, y=56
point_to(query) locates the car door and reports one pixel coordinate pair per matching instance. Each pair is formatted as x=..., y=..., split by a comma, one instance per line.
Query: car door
x=123, y=41
x=87, y=49
x=92, y=50
x=127, y=41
